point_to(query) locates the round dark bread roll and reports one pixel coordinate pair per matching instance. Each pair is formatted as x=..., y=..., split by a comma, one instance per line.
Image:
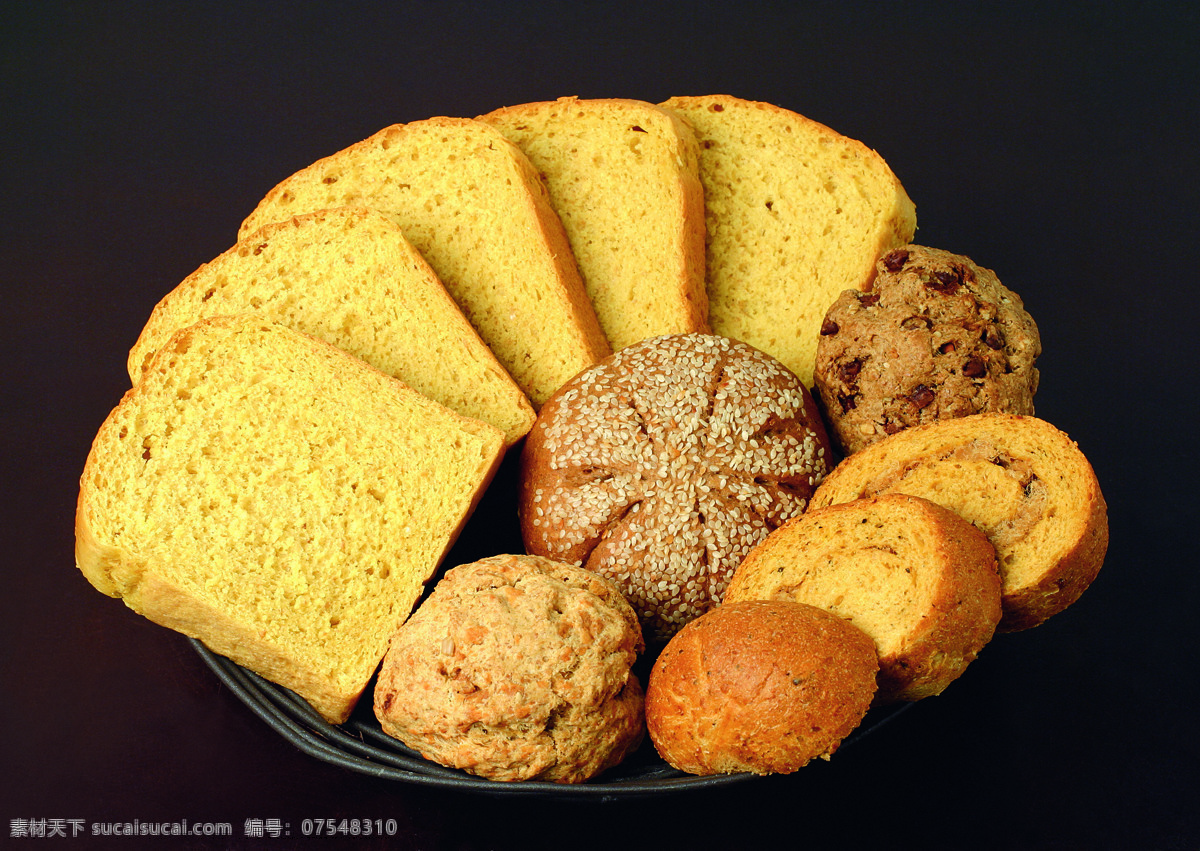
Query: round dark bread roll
x=516, y=668
x=661, y=466
x=935, y=337
x=762, y=686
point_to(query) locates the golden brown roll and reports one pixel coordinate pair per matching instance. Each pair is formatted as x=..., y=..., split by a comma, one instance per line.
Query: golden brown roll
x=761, y=686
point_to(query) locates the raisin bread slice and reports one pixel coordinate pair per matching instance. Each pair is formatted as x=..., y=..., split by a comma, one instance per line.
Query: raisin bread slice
x=477, y=210
x=1023, y=482
x=350, y=277
x=916, y=577
x=278, y=499
x=795, y=214
x=623, y=176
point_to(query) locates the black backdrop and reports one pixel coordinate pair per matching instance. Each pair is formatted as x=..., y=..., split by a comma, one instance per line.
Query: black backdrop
x=1054, y=143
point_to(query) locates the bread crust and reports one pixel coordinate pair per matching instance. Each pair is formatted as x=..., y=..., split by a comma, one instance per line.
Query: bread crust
x=635, y=296
x=541, y=341
x=161, y=504
x=1021, y=480
x=348, y=276
x=664, y=464
x=761, y=686
x=921, y=581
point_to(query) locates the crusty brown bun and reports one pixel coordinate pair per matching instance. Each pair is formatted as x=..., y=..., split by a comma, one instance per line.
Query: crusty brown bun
x=1023, y=482
x=663, y=465
x=762, y=686
x=516, y=668
x=935, y=337
x=916, y=577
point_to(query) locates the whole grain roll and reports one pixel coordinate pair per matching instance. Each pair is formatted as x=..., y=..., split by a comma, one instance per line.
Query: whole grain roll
x=762, y=686
x=663, y=465
x=516, y=668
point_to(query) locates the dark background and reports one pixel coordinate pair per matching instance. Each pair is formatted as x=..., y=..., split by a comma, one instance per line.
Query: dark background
x=1053, y=143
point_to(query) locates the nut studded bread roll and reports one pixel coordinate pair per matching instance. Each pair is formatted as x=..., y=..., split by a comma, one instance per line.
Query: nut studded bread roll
x=936, y=337
x=476, y=209
x=916, y=577
x=795, y=214
x=664, y=464
x=1023, y=482
x=623, y=176
x=762, y=686
x=278, y=499
x=350, y=277
x=516, y=668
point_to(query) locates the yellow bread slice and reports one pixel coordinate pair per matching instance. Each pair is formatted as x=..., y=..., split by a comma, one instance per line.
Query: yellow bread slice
x=1023, y=482
x=350, y=277
x=916, y=577
x=623, y=176
x=795, y=214
x=279, y=500
x=477, y=210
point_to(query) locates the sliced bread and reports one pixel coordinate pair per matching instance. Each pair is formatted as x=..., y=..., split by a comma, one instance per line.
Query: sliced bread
x=795, y=214
x=350, y=277
x=278, y=499
x=477, y=210
x=1023, y=482
x=916, y=577
x=623, y=176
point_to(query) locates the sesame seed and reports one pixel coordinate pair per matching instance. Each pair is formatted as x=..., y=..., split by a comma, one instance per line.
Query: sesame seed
x=677, y=454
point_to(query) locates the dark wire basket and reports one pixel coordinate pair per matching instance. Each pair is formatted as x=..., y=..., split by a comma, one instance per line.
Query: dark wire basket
x=361, y=746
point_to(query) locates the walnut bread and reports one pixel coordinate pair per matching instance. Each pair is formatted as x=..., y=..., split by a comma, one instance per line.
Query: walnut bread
x=762, y=686
x=935, y=337
x=916, y=577
x=279, y=500
x=516, y=668
x=664, y=464
x=1020, y=480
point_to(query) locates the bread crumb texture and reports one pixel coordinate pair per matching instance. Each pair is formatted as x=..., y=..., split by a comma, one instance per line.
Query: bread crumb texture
x=623, y=176
x=763, y=686
x=795, y=214
x=477, y=210
x=350, y=277
x=278, y=499
x=517, y=668
x=662, y=466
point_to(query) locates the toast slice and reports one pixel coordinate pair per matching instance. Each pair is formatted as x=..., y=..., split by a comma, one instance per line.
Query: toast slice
x=1020, y=480
x=350, y=277
x=623, y=176
x=475, y=208
x=278, y=499
x=795, y=214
